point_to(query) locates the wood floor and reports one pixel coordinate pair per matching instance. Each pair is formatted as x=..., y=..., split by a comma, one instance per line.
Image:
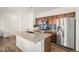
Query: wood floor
x=57, y=48
x=9, y=45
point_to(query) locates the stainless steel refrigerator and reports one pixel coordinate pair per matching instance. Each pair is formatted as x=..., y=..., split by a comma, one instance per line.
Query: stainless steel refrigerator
x=66, y=32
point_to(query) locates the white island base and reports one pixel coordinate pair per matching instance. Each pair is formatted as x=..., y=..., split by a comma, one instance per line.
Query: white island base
x=30, y=42
x=28, y=46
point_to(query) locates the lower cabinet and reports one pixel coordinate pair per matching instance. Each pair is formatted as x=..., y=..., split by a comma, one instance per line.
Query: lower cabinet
x=47, y=44
x=53, y=37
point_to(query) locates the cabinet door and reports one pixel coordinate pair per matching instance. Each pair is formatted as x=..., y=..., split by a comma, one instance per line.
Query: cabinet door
x=52, y=19
x=38, y=21
x=70, y=14
x=47, y=44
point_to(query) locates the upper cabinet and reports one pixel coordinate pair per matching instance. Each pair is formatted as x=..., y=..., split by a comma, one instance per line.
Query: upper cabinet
x=39, y=20
x=53, y=19
x=70, y=14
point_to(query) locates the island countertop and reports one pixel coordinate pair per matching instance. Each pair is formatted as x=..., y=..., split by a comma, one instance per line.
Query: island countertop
x=34, y=37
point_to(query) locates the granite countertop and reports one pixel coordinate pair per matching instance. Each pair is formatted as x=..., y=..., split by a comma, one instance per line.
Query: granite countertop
x=34, y=37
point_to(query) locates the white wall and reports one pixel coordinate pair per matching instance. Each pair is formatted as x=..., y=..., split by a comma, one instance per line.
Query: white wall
x=27, y=21
x=0, y=23
x=15, y=19
x=61, y=11
x=77, y=29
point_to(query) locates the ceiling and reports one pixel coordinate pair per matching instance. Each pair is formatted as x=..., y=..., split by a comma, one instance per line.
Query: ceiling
x=25, y=9
x=42, y=9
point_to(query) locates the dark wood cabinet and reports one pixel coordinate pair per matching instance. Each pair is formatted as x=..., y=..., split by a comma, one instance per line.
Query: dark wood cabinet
x=49, y=20
x=53, y=37
x=47, y=44
x=53, y=19
x=39, y=20
x=70, y=14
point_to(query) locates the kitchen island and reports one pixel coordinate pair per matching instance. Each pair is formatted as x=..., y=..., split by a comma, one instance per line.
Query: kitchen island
x=33, y=42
